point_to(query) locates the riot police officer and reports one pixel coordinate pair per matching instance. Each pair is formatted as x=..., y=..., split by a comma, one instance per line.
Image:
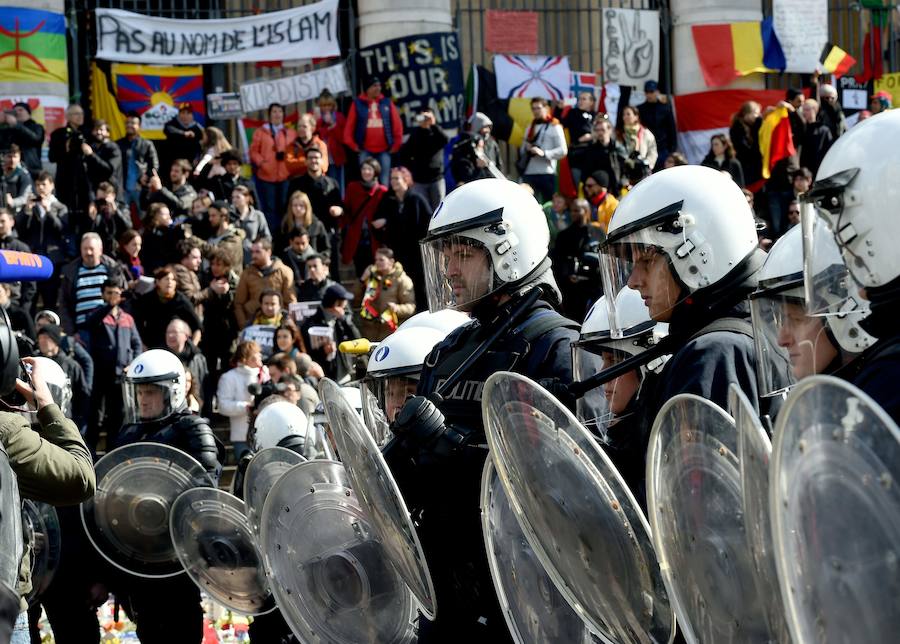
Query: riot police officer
x=856, y=193
x=156, y=410
x=612, y=413
x=485, y=254
x=686, y=239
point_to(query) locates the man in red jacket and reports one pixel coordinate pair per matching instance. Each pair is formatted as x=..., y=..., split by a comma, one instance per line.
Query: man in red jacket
x=374, y=128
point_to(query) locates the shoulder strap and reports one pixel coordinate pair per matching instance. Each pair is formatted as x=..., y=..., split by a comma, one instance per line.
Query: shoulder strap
x=542, y=322
x=731, y=324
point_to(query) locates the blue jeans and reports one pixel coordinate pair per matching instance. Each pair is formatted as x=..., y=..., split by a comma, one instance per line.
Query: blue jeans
x=20, y=634
x=384, y=158
x=272, y=201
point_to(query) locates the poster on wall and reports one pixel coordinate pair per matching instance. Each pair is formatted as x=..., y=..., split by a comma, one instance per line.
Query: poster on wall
x=309, y=31
x=802, y=30
x=631, y=46
x=422, y=71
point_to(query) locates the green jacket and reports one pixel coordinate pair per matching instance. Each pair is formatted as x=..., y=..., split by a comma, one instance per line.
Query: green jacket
x=52, y=464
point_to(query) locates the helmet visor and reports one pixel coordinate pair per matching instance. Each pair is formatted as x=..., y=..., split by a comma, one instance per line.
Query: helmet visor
x=829, y=289
x=603, y=406
x=458, y=272
x=643, y=266
x=789, y=342
x=147, y=401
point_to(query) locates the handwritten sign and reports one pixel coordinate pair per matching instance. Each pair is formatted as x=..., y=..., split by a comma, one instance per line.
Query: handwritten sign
x=630, y=46
x=422, y=71
x=294, y=89
x=802, y=30
x=302, y=32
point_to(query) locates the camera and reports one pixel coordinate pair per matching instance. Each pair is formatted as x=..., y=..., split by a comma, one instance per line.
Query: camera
x=279, y=156
x=420, y=118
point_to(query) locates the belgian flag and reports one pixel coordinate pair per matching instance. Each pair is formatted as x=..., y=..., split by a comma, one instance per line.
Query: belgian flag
x=835, y=60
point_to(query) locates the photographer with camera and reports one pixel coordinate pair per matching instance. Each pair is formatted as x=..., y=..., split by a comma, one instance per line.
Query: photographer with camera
x=68, y=148
x=106, y=217
x=476, y=152
x=102, y=157
x=16, y=183
x=423, y=154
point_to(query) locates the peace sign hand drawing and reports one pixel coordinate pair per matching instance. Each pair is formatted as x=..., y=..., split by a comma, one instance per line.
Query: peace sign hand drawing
x=638, y=48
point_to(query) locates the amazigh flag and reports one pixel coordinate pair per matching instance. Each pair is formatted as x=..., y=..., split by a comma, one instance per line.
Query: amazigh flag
x=156, y=92
x=728, y=51
x=32, y=46
x=775, y=139
x=531, y=76
x=835, y=60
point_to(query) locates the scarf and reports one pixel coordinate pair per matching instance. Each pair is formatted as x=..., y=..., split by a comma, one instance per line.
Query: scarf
x=533, y=131
x=370, y=296
x=632, y=136
x=368, y=185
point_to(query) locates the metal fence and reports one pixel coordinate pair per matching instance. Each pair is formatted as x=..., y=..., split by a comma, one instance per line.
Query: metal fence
x=570, y=27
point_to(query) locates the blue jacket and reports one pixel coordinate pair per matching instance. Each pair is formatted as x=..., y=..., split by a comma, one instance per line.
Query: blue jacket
x=362, y=117
x=114, y=343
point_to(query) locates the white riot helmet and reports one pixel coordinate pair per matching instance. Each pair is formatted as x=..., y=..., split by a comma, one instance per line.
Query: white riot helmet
x=395, y=365
x=154, y=386
x=486, y=237
x=803, y=336
x=278, y=421
x=857, y=191
x=597, y=350
x=58, y=383
x=690, y=221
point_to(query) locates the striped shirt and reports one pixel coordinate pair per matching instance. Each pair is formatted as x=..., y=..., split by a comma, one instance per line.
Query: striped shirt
x=88, y=291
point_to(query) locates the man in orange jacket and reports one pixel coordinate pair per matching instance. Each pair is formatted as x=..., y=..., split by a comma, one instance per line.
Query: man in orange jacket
x=268, y=152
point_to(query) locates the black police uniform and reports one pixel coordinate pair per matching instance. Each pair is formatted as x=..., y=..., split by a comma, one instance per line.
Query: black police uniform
x=441, y=478
x=168, y=610
x=879, y=366
x=271, y=626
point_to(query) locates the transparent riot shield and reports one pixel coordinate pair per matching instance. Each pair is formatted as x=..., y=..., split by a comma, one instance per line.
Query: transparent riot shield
x=835, y=505
x=217, y=548
x=127, y=520
x=41, y=523
x=377, y=491
x=694, y=502
x=329, y=574
x=266, y=467
x=11, y=543
x=754, y=452
x=535, y=612
x=576, y=512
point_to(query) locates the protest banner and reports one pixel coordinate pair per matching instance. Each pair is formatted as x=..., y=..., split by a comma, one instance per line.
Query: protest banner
x=261, y=334
x=293, y=89
x=302, y=32
x=889, y=83
x=802, y=30
x=423, y=71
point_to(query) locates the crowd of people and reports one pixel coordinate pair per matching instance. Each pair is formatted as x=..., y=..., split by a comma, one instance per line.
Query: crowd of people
x=173, y=251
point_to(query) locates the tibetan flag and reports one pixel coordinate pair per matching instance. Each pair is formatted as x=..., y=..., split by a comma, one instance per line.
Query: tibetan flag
x=775, y=139
x=155, y=92
x=835, y=60
x=728, y=51
x=32, y=46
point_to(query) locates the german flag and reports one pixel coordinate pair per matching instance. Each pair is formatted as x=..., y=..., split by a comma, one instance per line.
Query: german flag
x=835, y=60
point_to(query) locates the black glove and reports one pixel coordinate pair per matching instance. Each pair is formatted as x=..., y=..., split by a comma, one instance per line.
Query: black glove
x=419, y=423
x=559, y=390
